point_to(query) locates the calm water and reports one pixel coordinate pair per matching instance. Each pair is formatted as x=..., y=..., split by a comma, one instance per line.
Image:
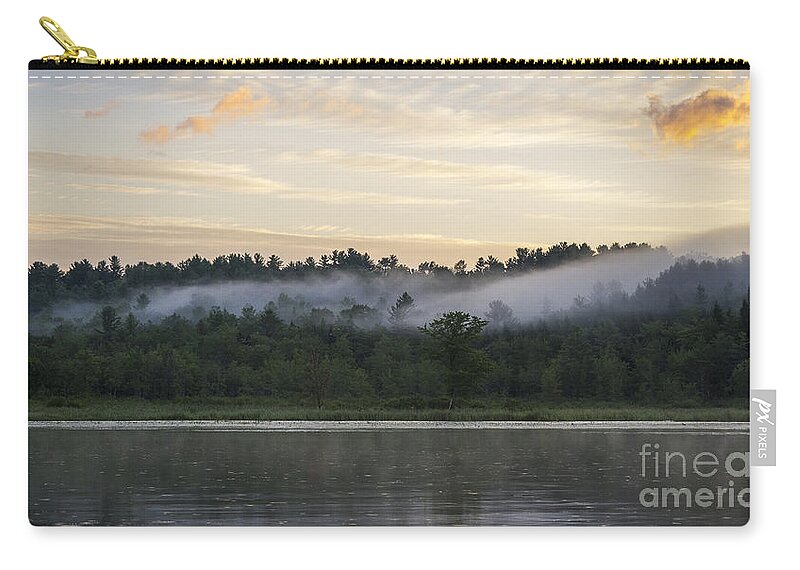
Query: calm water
x=406, y=477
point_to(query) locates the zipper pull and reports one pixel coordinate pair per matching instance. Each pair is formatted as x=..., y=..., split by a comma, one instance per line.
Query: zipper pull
x=72, y=52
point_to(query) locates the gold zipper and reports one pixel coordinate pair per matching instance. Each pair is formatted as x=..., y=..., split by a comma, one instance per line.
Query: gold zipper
x=79, y=56
x=72, y=53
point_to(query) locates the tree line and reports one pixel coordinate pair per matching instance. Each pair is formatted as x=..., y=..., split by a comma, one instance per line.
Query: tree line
x=680, y=339
x=48, y=283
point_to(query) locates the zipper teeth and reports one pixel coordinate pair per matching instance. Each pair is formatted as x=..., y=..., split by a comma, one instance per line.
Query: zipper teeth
x=390, y=63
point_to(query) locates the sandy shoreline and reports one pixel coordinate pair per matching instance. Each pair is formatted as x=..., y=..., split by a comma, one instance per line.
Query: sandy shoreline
x=344, y=426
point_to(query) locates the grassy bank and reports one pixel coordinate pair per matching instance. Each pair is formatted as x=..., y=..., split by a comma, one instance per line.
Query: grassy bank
x=270, y=409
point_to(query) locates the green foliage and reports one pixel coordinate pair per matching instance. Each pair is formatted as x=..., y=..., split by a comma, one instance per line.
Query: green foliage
x=454, y=335
x=551, y=384
x=691, y=357
x=740, y=378
x=415, y=409
x=660, y=346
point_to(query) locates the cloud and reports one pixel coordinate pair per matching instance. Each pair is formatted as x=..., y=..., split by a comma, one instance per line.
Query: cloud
x=328, y=196
x=149, y=176
x=127, y=189
x=720, y=242
x=181, y=173
x=160, y=135
x=454, y=115
x=487, y=176
x=462, y=114
x=235, y=105
x=102, y=111
x=114, y=188
x=61, y=238
x=324, y=229
x=137, y=228
x=712, y=111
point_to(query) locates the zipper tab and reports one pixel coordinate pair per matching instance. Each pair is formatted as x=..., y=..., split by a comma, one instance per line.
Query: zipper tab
x=72, y=52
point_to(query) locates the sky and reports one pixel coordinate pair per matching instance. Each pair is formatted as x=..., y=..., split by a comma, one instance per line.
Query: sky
x=441, y=165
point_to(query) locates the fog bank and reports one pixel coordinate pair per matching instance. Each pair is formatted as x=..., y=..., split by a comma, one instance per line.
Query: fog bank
x=531, y=295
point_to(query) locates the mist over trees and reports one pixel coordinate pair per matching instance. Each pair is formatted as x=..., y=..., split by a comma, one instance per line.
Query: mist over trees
x=399, y=312
x=342, y=280
x=681, y=338
x=48, y=283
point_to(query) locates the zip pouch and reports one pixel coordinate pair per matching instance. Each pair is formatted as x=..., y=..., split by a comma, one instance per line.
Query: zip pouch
x=381, y=292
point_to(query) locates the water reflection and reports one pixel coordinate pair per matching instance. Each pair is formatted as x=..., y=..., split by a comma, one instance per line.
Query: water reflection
x=423, y=477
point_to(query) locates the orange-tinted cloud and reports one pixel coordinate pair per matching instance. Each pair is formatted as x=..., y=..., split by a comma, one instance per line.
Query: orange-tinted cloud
x=161, y=134
x=101, y=112
x=234, y=105
x=712, y=111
